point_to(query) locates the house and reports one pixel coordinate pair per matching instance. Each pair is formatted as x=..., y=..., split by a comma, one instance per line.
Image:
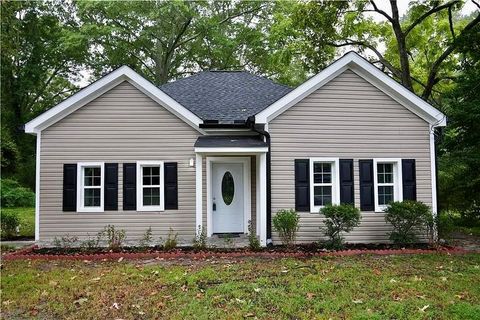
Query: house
x=218, y=150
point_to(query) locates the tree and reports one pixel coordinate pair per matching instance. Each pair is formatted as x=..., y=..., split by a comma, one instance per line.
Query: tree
x=171, y=39
x=460, y=150
x=41, y=55
x=358, y=29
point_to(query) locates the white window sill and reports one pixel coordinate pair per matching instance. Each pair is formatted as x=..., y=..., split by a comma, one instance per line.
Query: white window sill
x=150, y=209
x=90, y=210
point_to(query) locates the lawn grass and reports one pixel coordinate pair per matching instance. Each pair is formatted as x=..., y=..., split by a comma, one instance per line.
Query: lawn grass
x=27, y=220
x=434, y=286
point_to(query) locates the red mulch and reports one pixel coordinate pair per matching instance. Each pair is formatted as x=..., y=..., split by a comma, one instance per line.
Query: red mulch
x=30, y=254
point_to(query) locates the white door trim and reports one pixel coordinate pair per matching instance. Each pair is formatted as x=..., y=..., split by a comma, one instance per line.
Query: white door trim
x=246, y=187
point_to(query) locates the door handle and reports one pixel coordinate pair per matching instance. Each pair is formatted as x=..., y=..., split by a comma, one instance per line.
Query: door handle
x=214, y=206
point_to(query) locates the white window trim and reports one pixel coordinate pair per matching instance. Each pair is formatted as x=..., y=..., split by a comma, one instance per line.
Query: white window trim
x=397, y=178
x=335, y=182
x=140, y=206
x=80, y=186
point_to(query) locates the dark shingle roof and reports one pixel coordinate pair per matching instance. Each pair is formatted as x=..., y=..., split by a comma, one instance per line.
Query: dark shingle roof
x=225, y=96
x=209, y=141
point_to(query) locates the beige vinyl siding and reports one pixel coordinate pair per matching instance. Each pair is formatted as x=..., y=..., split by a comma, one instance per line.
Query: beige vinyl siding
x=347, y=118
x=121, y=126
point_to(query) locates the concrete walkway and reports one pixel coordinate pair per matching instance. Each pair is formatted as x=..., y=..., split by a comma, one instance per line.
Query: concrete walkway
x=465, y=241
x=18, y=244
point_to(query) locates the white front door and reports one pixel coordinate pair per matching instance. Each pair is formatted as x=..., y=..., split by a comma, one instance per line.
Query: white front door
x=227, y=197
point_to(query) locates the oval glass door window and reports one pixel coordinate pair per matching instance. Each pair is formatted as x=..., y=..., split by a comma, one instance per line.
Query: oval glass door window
x=228, y=188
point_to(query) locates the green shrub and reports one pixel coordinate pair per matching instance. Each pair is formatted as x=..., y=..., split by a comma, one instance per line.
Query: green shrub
x=9, y=225
x=471, y=216
x=147, y=238
x=285, y=223
x=253, y=242
x=338, y=219
x=171, y=242
x=408, y=218
x=14, y=195
x=200, y=239
x=446, y=221
x=114, y=237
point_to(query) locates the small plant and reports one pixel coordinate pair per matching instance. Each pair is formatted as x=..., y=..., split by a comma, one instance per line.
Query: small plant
x=171, y=242
x=253, y=242
x=285, y=223
x=147, y=238
x=338, y=219
x=9, y=225
x=90, y=244
x=200, y=240
x=408, y=219
x=229, y=242
x=66, y=241
x=114, y=237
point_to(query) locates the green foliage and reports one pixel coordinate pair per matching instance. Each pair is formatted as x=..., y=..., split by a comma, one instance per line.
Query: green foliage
x=408, y=219
x=253, y=242
x=200, y=239
x=446, y=223
x=338, y=219
x=114, y=237
x=14, y=195
x=147, y=238
x=10, y=222
x=171, y=241
x=285, y=223
x=26, y=217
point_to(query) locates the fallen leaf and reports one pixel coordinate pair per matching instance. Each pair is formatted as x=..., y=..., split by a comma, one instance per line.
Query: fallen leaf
x=256, y=289
x=239, y=300
x=310, y=295
x=424, y=308
x=444, y=278
x=115, y=305
x=120, y=259
x=73, y=278
x=199, y=295
x=393, y=281
x=421, y=297
x=357, y=301
x=95, y=279
x=6, y=303
x=184, y=288
x=249, y=315
x=377, y=272
x=53, y=283
x=80, y=301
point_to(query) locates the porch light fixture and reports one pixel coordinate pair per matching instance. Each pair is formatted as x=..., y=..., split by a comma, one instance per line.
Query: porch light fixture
x=192, y=162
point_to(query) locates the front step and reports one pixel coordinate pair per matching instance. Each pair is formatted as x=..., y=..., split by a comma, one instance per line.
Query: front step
x=228, y=241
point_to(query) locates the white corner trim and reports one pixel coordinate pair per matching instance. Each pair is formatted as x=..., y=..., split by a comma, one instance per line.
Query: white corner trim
x=37, y=188
x=335, y=182
x=80, y=204
x=433, y=170
x=397, y=176
x=198, y=193
x=231, y=150
x=366, y=70
x=101, y=86
x=262, y=199
x=140, y=206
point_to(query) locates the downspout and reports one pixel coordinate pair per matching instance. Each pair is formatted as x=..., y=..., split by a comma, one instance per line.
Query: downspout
x=251, y=124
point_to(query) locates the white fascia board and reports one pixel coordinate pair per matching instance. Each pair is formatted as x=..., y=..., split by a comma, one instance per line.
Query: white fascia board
x=101, y=86
x=231, y=150
x=367, y=71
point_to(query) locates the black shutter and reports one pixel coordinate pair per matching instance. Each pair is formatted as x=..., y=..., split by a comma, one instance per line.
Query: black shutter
x=70, y=187
x=346, y=181
x=111, y=186
x=409, y=179
x=171, y=185
x=129, y=186
x=302, y=185
x=366, y=185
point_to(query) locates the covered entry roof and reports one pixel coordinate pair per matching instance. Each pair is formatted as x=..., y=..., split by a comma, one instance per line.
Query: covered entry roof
x=209, y=143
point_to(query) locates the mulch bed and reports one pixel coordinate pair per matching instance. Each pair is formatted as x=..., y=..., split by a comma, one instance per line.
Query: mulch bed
x=36, y=253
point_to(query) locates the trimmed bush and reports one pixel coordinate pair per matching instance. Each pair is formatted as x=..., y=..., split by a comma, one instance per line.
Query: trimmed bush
x=10, y=223
x=14, y=195
x=408, y=218
x=171, y=241
x=253, y=242
x=285, y=223
x=114, y=237
x=200, y=239
x=338, y=219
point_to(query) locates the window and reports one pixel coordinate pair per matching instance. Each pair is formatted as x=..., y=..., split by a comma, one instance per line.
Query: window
x=150, y=186
x=387, y=179
x=90, y=187
x=324, y=183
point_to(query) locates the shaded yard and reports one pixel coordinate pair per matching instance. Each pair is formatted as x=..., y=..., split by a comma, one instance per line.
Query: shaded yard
x=363, y=287
x=26, y=217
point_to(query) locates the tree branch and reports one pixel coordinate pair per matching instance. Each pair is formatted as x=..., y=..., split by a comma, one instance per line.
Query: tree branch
x=429, y=13
x=450, y=22
x=383, y=13
x=382, y=60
